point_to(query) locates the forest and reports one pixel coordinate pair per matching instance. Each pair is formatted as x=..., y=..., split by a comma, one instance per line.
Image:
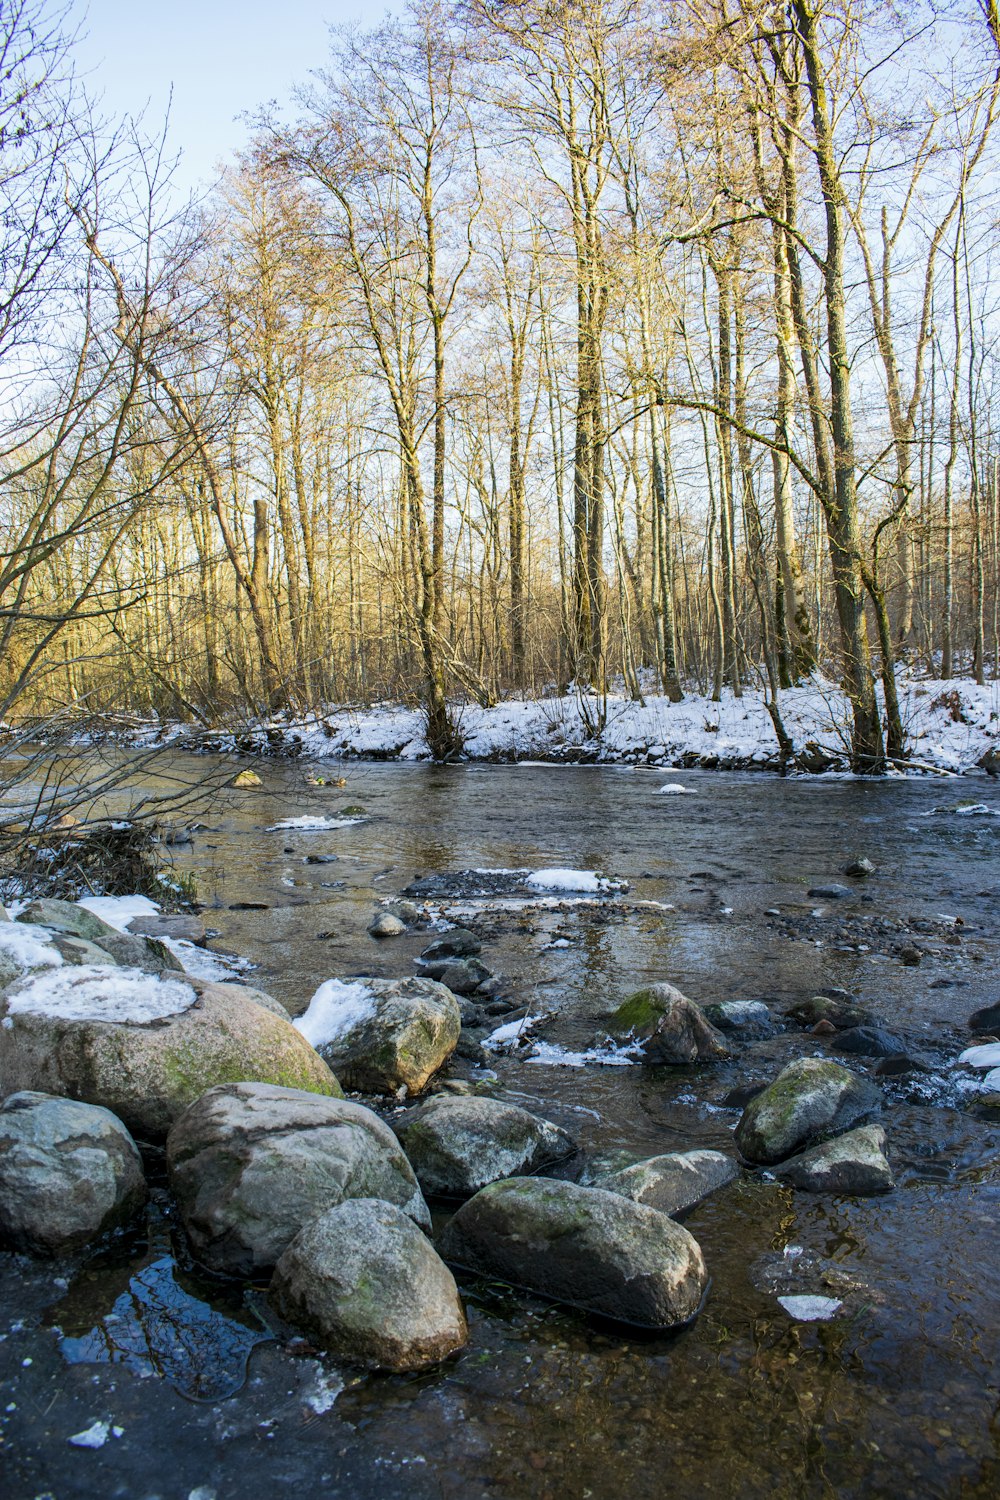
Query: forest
x=530, y=347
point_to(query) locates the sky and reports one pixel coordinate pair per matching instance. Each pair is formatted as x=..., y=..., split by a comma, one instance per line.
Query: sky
x=220, y=58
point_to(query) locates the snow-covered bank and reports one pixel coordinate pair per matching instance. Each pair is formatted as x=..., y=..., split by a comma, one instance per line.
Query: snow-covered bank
x=950, y=726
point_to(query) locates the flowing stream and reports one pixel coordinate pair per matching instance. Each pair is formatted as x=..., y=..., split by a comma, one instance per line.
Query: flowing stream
x=897, y=1395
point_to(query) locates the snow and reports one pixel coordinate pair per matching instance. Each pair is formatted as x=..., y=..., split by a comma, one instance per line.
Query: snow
x=807, y=1309
x=674, y=789
x=335, y=1009
x=310, y=824
x=658, y=732
x=202, y=963
x=28, y=945
x=98, y=992
x=94, y=1436
x=119, y=911
x=569, y=880
x=550, y=1055
x=506, y=1037
x=986, y=1056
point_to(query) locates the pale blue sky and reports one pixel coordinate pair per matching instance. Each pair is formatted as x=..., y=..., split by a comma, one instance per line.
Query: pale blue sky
x=220, y=56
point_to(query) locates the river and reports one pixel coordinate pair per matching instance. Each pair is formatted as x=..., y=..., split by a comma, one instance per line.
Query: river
x=897, y=1395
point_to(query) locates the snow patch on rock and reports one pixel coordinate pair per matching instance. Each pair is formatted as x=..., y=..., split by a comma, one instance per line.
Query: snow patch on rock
x=335, y=1009
x=99, y=992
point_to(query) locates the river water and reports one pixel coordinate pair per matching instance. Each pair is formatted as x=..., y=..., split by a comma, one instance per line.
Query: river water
x=897, y=1395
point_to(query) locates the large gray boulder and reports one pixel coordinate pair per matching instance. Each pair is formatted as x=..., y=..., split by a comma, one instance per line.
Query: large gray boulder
x=368, y=1285
x=580, y=1245
x=669, y=1027
x=457, y=1145
x=673, y=1182
x=382, y=1036
x=809, y=1099
x=852, y=1163
x=68, y=1172
x=252, y=1164
x=145, y=1046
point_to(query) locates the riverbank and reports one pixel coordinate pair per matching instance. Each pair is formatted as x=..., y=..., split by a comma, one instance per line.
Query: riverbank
x=951, y=727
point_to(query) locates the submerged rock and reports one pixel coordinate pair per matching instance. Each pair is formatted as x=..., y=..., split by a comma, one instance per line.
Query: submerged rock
x=252, y=1164
x=747, y=1018
x=840, y=1011
x=669, y=1027
x=809, y=1099
x=832, y=892
x=369, y=1286
x=458, y=1145
x=146, y=1046
x=68, y=1172
x=394, y=1033
x=672, y=1183
x=583, y=1246
x=851, y=1163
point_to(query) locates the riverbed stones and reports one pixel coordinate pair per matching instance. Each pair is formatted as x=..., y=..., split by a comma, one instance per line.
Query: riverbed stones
x=669, y=1027
x=252, y=1164
x=409, y=1032
x=458, y=1145
x=853, y=1163
x=674, y=1182
x=68, y=1172
x=146, y=1046
x=810, y=1098
x=463, y=976
x=367, y=1284
x=582, y=1246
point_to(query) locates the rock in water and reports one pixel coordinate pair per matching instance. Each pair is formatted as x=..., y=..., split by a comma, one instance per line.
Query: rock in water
x=809, y=1099
x=463, y=976
x=851, y=1163
x=580, y=1245
x=860, y=868
x=68, y=1171
x=669, y=1027
x=245, y=779
x=252, y=1164
x=369, y=1286
x=458, y=943
x=395, y=1034
x=746, y=1018
x=869, y=1041
x=674, y=1182
x=146, y=1046
x=458, y=1145
x=385, y=925
x=987, y=1019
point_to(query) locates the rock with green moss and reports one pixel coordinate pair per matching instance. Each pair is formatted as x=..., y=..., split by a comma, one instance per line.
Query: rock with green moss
x=398, y=1041
x=853, y=1163
x=368, y=1285
x=673, y=1182
x=582, y=1246
x=809, y=1100
x=669, y=1027
x=458, y=1145
x=252, y=1164
x=68, y=1172
x=79, y=933
x=145, y=1046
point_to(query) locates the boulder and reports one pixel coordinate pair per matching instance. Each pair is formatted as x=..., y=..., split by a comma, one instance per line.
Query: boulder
x=746, y=1018
x=851, y=1163
x=672, y=1183
x=181, y=925
x=669, y=1027
x=463, y=976
x=583, y=1246
x=252, y=1164
x=146, y=1046
x=245, y=779
x=458, y=943
x=808, y=1100
x=367, y=1285
x=456, y=1146
x=68, y=1172
x=383, y=1035
x=869, y=1041
x=84, y=938
x=841, y=1012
